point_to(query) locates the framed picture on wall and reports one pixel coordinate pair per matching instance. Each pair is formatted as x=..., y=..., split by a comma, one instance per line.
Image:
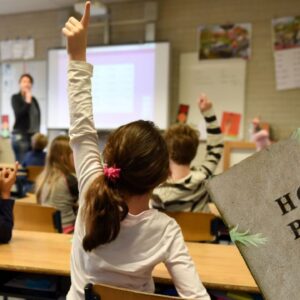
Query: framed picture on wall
x=224, y=41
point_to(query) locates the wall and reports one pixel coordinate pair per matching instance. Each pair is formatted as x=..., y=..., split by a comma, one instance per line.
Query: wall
x=177, y=23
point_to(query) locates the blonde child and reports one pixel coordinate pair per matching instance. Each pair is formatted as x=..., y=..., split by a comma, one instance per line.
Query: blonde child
x=118, y=240
x=57, y=184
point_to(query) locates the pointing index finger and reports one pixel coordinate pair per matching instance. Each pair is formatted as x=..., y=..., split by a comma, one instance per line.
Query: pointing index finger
x=86, y=16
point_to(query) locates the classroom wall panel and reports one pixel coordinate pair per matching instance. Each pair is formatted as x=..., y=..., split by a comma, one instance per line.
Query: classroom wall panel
x=177, y=23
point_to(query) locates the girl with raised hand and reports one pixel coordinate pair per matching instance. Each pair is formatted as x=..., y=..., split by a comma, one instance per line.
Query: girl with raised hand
x=118, y=240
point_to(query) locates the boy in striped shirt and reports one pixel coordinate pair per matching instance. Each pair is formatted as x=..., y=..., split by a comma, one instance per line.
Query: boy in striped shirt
x=185, y=188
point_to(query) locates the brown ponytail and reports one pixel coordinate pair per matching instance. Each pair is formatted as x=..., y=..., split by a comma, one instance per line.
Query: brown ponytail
x=103, y=213
x=141, y=154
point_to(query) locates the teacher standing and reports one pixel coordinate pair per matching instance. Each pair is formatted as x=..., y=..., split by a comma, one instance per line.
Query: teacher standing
x=27, y=117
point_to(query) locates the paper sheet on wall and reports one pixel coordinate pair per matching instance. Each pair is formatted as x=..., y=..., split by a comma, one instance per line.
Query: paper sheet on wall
x=28, y=49
x=5, y=50
x=222, y=80
x=287, y=66
x=17, y=49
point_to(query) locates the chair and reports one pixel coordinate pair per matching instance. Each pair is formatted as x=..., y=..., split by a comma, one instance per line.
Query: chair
x=195, y=226
x=34, y=217
x=107, y=292
x=33, y=172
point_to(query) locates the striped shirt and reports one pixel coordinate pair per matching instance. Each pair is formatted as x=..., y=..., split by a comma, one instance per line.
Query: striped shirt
x=189, y=193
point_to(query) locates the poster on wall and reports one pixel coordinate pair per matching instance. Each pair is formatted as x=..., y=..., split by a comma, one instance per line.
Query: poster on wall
x=286, y=46
x=182, y=114
x=230, y=125
x=17, y=49
x=224, y=41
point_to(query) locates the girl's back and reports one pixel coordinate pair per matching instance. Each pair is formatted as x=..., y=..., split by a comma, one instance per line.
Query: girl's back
x=144, y=241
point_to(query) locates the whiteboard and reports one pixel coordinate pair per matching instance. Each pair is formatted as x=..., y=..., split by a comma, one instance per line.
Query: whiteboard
x=223, y=81
x=10, y=74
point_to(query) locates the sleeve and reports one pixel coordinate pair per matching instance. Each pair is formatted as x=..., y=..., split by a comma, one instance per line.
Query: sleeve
x=83, y=135
x=182, y=269
x=215, y=144
x=6, y=220
x=20, y=107
x=155, y=200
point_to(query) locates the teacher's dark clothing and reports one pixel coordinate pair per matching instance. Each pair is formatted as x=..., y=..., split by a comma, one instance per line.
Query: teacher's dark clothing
x=6, y=220
x=27, y=115
x=27, y=123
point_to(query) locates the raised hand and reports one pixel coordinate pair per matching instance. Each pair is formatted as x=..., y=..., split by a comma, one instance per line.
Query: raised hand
x=28, y=95
x=204, y=103
x=7, y=179
x=76, y=33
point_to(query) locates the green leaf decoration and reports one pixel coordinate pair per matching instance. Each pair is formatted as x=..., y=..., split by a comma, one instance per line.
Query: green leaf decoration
x=247, y=239
x=296, y=135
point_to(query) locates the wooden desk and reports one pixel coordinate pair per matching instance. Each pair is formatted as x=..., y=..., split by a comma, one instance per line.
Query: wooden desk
x=37, y=252
x=219, y=266
x=29, y=198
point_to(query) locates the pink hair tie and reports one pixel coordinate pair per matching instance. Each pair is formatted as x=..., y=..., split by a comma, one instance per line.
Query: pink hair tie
x=112, y=173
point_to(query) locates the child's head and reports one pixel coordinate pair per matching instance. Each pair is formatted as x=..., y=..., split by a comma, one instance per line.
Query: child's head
x=182, y=142
x=59, y=160
x=140, y=152
x=60, y=155
x=39, y=142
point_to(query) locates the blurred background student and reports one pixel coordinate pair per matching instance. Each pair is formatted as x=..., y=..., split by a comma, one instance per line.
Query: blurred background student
x=36, y=156
x=57, y=185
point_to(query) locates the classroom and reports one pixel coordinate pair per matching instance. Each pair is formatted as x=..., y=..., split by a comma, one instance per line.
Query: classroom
x=91, y=204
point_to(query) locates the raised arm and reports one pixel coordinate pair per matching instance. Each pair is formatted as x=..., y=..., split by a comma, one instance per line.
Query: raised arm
x=83, y=135
x=215, y=141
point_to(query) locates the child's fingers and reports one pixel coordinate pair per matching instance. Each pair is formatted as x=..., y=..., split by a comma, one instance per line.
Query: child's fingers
x=86, y=16
x=16, y=169
x=71, y=27
x=67, y=32
x=75, y=22
x=6, y=174
x=10, y=176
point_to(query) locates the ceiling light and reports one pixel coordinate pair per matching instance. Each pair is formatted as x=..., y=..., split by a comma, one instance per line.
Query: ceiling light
x=98, y=9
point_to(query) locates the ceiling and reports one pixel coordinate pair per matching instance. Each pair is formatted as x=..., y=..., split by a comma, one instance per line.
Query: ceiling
x=22, y=6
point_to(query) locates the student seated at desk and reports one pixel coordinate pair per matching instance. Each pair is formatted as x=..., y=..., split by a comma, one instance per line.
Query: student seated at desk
x=185, y=189
x=118, y=240
x=37, y=156
x=7, y=179
x=57, y=185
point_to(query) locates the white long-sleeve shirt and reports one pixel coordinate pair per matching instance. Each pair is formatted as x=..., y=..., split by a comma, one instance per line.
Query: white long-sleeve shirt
x=144, y=241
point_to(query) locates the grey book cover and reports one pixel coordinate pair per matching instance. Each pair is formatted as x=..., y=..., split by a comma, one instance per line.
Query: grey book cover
x=262, y=195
